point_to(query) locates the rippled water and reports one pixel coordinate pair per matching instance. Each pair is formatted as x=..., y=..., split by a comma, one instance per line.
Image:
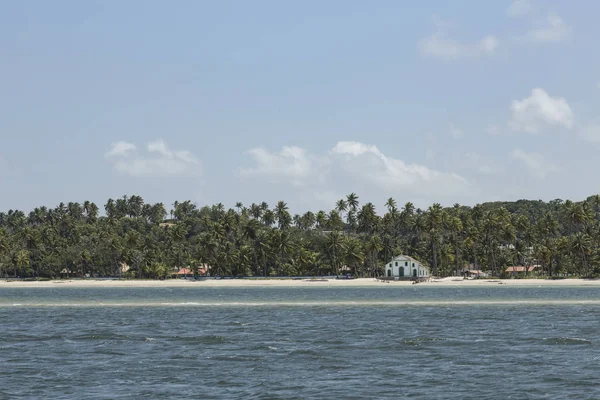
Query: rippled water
x=300, y=343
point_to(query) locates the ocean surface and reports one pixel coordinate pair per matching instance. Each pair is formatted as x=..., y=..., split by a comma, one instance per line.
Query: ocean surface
x=386, y=342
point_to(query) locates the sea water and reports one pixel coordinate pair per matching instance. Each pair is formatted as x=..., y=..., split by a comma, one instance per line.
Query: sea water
x=391, y=342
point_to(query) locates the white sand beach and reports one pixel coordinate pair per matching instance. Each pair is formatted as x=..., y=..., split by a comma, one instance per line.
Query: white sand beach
x=362, y=282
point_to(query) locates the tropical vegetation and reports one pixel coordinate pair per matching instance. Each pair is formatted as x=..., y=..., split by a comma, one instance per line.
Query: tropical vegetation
x=78, y=239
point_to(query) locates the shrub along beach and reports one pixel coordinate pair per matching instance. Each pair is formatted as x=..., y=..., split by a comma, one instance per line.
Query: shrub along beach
x=135, y=240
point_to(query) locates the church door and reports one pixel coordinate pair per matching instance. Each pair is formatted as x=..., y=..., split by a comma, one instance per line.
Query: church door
x=401, y=271
x=389, y=274
x=414, y=272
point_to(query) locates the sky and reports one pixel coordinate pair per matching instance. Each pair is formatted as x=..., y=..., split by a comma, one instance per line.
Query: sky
x=432, y=101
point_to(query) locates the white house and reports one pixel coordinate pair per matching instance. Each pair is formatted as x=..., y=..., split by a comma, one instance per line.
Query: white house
x=405, y=266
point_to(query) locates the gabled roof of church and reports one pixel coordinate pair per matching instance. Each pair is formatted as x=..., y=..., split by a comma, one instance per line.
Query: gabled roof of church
x=404, y=257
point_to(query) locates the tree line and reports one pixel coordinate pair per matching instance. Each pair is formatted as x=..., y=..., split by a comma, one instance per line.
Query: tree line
x=562, y=237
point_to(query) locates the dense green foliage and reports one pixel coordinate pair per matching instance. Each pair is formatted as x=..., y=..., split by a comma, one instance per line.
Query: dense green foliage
x=561, y=237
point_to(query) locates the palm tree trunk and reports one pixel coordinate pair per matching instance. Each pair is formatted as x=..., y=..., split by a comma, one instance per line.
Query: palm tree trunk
x=434, y=262
x=584, y=258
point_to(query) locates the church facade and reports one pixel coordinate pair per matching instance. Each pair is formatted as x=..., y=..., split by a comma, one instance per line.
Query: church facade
x=405, y=267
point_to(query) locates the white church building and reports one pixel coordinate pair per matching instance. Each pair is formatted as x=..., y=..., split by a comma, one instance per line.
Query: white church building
x=405, y=266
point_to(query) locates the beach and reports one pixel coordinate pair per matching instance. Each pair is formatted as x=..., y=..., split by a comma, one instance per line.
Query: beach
x=323, y=282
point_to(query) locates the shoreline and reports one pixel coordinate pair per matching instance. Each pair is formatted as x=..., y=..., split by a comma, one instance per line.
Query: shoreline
x=319, y=282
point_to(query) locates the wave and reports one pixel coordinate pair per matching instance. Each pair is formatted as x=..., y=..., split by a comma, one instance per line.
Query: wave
x=418, y=341
x=567, y=340
x=202, y=339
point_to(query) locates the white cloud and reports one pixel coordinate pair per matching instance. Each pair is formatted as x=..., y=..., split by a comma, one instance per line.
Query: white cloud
x=368, y=163
x=120, y=149
x=538, y=110
x=160, y=147
x=440, y=45
x=456, y=132
x=356, y=167
x=520, y=8
x=487, y=170
x=291, y=164
x=547, y=27
x=355, y=148
x=159, y=161
x=551, y=28
x=544, y=28
x=591, y=133
x=536, y=163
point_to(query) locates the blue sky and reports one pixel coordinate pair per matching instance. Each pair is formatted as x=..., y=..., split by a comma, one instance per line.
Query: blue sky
x=463, y=101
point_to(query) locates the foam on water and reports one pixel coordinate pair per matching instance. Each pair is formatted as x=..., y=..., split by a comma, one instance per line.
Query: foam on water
x=328, y=303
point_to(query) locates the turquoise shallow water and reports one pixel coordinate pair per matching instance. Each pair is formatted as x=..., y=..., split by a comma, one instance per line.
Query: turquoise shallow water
x=300, y=343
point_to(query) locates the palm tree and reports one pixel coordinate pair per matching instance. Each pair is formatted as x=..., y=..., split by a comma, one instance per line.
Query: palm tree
x=367, y=219
x=255, y=211
x=122, y=207
x=353, y=253
x=110, y=208
x=157, y=213
x=391, y=205
x=91, y=211
x=268, y=218
x=334, y=249
x=308, y=220
x=263, y=252
x=307, y=260
x=334, y=221
x=352, y=201
x=282, y=215
x=240, y=206
x=391, y=224
x=372, y=248
x=3, y=246
x=20, y=260
x=408, y=210
x=576, y=213
x=276, y=246
x=352, y=205
x=85, y=257
x=455, y=228
x=581, y=243
x=341, y=206
x=434, y=224
x=134, y=206
x=187, y=208
x=321, y=220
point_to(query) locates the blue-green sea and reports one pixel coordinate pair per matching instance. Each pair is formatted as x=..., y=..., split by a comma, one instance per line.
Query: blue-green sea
x=386, y=342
